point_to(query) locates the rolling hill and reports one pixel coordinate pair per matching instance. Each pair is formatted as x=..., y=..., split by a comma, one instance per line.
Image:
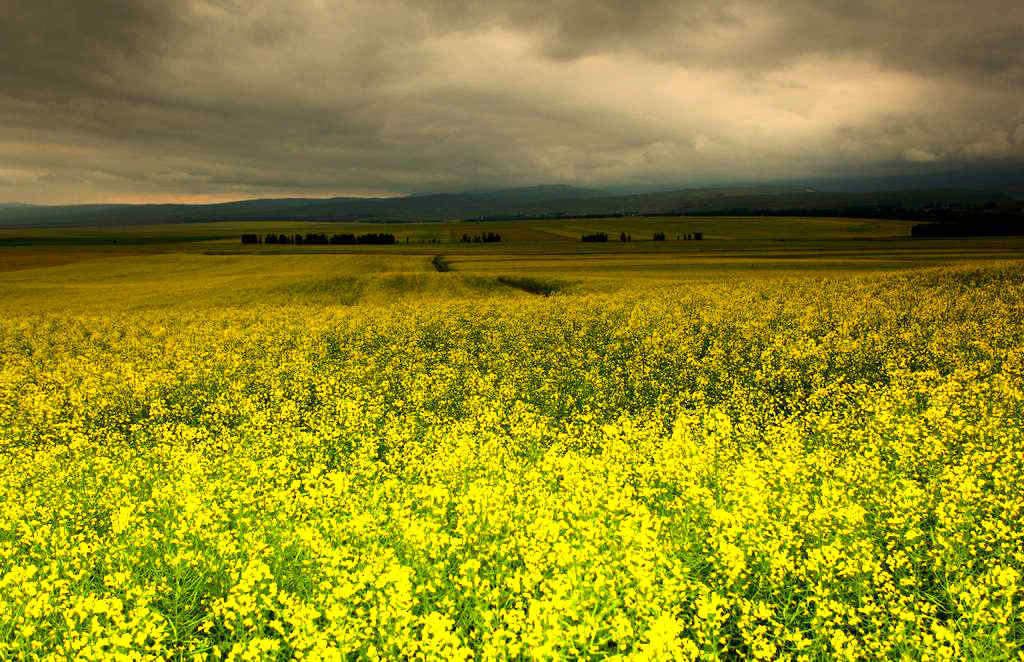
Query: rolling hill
x=531, y=202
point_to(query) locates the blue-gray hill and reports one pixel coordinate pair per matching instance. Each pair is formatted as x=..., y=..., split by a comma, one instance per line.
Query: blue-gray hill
x=530, y=202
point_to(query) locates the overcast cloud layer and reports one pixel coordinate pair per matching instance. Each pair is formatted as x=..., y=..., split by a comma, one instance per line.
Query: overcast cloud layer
x=191, y=100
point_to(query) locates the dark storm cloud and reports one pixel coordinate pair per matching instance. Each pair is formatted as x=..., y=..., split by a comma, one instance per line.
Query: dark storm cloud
x=128, y=99
x=61, y=49
x=575, y=28
x=946, y=36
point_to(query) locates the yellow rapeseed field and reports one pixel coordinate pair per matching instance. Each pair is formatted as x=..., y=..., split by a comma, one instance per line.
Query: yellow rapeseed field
x=795, y=467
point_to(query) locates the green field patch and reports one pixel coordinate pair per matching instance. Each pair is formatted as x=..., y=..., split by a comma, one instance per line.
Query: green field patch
x=481, y=284
x=152, y=267
x=343, y=290
x=407, y=283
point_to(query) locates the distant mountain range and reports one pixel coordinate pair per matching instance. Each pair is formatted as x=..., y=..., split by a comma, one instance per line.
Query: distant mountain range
x=927, y=203
x=1007, y=179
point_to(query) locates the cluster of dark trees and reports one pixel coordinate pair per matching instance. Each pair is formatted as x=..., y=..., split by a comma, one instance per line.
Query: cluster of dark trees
x=319, y=239
x=371, y=238
x=485, y=238
x=658, y=236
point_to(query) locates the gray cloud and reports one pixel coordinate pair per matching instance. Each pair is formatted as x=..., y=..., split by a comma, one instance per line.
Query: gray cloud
x=115, y=99
x=58, y=49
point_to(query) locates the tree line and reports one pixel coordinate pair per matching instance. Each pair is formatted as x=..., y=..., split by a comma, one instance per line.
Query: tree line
x=485, y=238
x=319, y=239
x=658, y=236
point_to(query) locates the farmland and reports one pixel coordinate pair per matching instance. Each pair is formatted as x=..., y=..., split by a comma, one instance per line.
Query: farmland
x=794, y=439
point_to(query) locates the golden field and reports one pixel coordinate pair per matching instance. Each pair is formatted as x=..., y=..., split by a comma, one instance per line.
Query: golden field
x=205, y=457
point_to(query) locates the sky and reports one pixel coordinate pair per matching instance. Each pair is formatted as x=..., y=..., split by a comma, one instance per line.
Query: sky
x=211, y=100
